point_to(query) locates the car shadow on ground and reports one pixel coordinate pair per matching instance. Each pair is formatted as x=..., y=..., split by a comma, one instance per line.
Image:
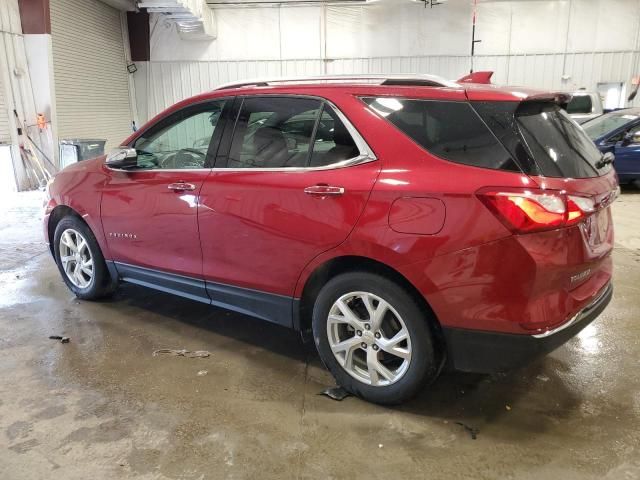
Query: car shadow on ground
x=472, y=399
x=630, y=189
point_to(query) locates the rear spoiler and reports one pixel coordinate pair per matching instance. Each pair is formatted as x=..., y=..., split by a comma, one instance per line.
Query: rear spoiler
x=560, y=98
x=476, y=77
x=484, y=78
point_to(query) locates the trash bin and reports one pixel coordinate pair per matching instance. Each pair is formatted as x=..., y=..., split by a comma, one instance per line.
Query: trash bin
x=75, y=150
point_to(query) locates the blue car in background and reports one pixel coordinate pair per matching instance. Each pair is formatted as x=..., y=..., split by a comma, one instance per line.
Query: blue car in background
x=618, y=132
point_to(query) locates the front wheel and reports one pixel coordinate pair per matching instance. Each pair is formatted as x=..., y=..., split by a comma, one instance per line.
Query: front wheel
x=80, y=260
x=373, y=337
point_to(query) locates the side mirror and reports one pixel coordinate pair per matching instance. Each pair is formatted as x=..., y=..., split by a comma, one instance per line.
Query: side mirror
x=122, y=158
x=607, y=158
x=631, y=138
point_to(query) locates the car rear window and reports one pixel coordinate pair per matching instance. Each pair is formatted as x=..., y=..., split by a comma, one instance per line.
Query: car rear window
x=559, y=146
x=450, y=130
x=579, y=104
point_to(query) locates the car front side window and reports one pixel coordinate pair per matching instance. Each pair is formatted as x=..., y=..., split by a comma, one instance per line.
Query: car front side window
x=182, y=141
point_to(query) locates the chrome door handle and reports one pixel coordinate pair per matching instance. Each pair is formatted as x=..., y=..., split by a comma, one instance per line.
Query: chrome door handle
x=324, y=190
x=181, y=187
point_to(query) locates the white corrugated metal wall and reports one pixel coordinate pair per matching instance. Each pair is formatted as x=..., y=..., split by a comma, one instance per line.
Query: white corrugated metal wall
x=169, y=82
x=4, y=117
x=16, y=86
x=564, y=44
x=90, y=76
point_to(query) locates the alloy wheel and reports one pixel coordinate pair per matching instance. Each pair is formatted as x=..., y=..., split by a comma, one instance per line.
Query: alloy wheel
x=76, y=258
x=369, y=339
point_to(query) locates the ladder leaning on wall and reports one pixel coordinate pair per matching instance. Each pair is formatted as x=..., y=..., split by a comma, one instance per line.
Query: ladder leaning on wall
x=30, y=160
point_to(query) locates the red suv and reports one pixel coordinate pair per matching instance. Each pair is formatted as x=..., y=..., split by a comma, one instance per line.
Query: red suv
x=407, y=223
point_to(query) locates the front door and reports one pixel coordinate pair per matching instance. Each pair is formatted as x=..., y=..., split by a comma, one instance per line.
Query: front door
x=294, y=183
x=150, y=214
x=627, y=152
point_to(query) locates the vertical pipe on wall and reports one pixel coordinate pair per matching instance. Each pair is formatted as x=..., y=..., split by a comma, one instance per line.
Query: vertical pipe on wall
x=323, y=39
x=19, y=174
x=15, y=102
x=133, y=106
x=635, y=61
x=566, y=41
x=280, y=37
x=473, y=32
x=507, y=79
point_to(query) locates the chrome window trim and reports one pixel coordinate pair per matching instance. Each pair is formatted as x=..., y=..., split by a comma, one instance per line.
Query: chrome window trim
x=366, y=153
x=153, y=170
x=166, y=114
x=360, y=159
x=161, y=119
x=362, y=145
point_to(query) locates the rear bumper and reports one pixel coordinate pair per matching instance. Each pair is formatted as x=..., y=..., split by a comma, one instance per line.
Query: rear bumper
x=490, y=352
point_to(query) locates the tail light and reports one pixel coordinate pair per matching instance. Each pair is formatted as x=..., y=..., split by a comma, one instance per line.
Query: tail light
x=531, y=210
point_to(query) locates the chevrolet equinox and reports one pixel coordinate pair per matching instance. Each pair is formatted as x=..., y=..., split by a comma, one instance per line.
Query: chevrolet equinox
x=405, y=223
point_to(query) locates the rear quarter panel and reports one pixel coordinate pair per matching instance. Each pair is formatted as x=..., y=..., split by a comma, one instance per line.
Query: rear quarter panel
x=409, y=172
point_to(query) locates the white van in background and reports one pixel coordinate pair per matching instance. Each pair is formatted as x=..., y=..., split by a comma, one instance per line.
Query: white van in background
x=585, y=106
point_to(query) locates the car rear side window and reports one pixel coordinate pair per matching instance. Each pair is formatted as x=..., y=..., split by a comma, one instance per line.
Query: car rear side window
x=450, y=130
x=332, y=142
x=273, y=132
x=288, y=132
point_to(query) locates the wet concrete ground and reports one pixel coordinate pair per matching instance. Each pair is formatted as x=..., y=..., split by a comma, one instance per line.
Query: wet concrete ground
x=102, y=407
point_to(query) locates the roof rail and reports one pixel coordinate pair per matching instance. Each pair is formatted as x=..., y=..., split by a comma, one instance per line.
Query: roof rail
x=423, y=80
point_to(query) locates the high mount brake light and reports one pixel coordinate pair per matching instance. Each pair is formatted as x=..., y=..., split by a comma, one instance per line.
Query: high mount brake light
x=529, y=210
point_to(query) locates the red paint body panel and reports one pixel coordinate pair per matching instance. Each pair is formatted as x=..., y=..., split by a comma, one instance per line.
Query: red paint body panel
x=79, y=187
x=164, y=222
x=414, y=212
x=259, y=229
x=421, y=216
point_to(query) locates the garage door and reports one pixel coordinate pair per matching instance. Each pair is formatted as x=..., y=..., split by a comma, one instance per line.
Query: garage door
x=90, y=75
x=4, y=116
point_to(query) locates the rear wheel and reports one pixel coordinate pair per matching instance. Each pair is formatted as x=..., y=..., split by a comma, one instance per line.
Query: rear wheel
x=373, y=337
x=80, y=260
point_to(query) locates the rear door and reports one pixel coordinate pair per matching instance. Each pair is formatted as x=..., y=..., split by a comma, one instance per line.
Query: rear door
x=149, y=214
x=293, y=183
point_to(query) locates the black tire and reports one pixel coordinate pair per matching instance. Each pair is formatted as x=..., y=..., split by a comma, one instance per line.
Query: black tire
x=101, y=285
x=423, y=366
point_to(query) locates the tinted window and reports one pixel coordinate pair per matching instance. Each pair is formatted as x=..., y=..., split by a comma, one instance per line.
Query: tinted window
x=559, y=146
x=333, y=142
x=501, y=120
x=605, y=124
x=273, y=132
x=451, y=130
x=579, y=104
x=181, y=141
